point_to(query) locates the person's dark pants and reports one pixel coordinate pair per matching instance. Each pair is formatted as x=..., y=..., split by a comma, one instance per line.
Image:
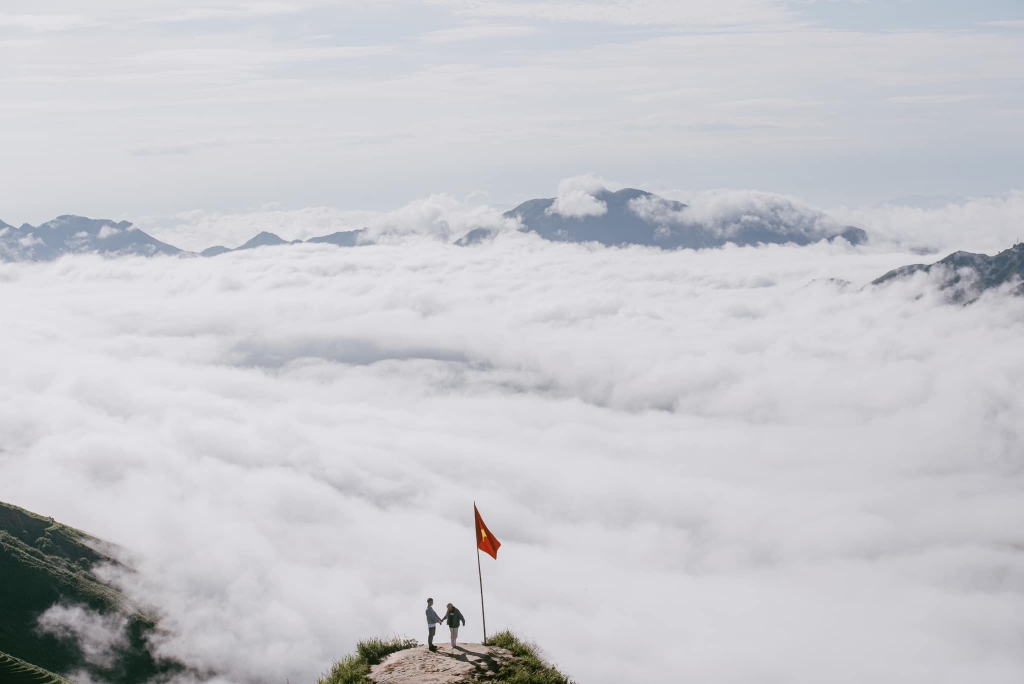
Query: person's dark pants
x=430, y=637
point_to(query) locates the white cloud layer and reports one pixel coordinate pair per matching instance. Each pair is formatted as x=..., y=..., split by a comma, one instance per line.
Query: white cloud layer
x=100, y=637
x=575, y=198
x=983, y=224
x=725, y=212
x=440, y=216
x=704, y=466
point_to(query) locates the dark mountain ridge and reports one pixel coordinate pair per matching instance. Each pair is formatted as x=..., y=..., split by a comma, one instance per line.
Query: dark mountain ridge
x=965, y=275
x=637, y=217
x=618, y=225
x=265, y=239
x=345, y=238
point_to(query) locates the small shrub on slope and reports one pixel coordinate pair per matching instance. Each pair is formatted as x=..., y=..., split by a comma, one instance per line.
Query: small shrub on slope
x=354, y=669
x=375, y=650
x=526, y=666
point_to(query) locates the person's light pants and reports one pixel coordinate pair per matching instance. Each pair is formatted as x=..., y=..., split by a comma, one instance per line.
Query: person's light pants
x=455, y=635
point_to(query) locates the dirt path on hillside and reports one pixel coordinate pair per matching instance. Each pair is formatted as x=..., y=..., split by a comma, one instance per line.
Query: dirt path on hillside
x=467, y=663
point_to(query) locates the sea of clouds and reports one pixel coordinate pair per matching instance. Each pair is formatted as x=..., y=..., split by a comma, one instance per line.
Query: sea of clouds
x=713, y=466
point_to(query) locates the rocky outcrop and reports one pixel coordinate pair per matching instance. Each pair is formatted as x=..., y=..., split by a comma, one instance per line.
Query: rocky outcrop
x=461, y=665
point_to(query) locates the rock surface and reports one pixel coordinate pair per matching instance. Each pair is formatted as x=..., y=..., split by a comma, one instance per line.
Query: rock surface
x=466, y=663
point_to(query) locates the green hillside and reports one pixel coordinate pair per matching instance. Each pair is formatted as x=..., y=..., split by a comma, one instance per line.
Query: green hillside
x=44, y=563
x=16, y=671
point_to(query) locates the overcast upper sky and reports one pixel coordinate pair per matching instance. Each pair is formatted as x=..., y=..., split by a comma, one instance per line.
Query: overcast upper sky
x=124, y=109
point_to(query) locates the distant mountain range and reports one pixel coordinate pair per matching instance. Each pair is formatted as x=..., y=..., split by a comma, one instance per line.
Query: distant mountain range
x=347, y=238
x=965, y=275
x=79, y=235
x=626, y=217
x=635, y=217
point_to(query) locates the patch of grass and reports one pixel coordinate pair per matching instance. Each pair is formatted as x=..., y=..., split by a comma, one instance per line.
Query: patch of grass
x=375, y=650
x=526, y=665
x=16, y=671
x=353, y=669
x=349, y=670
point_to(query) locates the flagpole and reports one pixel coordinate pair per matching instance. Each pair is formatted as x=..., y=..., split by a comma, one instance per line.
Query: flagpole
x=479, y=573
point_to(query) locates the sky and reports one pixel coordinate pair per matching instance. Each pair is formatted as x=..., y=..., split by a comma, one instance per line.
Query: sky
x=127, y=110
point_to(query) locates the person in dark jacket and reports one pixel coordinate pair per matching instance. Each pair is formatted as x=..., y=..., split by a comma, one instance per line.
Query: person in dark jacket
x=454, y=617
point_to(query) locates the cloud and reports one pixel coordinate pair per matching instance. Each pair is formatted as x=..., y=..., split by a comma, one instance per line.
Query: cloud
x=576, y=199
x=45, y=23
x=100, y=637
x=178, y=148
x=107, y=231
x=439, y=216
x=932, y=99
x=629, y=12
x=160, y=149
x=706, y=466
x=196, y=230
x=471, y=32
x=728, y=212
x=917, y=223
x=241, y=58
x=984, y=224
x=1006, y=23
x=233, y=11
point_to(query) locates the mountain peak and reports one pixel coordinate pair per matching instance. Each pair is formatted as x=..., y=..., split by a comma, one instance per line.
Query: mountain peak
x=636, y=217
x=267, y=239
x=70, y=234
x=621, y=196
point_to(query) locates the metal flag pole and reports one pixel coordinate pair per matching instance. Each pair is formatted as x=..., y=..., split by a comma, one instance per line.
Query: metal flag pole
x=479, y=573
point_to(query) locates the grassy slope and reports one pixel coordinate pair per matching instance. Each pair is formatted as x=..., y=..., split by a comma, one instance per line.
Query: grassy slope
x=16, y=671
x=353, y=669
x=525, y=667
x=42, y=563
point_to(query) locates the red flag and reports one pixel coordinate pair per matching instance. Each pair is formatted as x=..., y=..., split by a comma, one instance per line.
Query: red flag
x=485, y=541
